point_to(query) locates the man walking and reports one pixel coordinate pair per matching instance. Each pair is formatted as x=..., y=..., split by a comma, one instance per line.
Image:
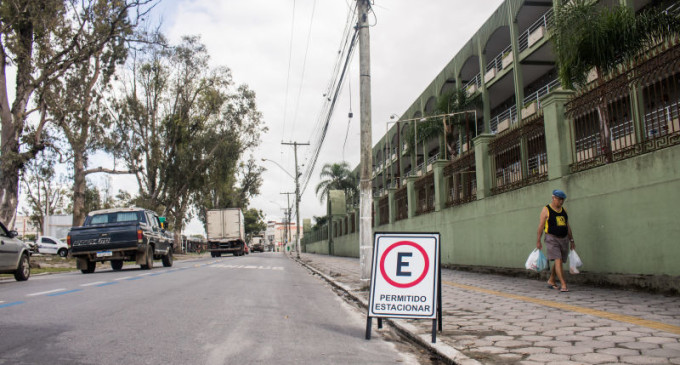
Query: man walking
x=558, y=239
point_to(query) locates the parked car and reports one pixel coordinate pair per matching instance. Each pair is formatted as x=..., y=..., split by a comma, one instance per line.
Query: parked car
x=14, y=255
x=51, y=245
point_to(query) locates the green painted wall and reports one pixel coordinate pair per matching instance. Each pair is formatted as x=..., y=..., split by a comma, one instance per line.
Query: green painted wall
x=624, y=217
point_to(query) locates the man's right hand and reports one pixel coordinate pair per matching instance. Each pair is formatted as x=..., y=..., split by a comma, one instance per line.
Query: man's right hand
x=539, y=245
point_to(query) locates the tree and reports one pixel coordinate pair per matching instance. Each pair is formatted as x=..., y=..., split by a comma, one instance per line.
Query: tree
x=337, y=176
x=587, y=36
x=319, y=222
x=254, y=221
x=76, y=100
x=45, y=195
x=41, y=40
x=183, y=128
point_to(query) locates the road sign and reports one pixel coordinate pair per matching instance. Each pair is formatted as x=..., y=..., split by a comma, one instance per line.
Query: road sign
x=404, y=275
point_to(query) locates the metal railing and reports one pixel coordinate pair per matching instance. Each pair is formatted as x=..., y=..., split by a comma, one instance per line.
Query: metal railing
x=476, y=81
x=510, y=114
x=545, y=22
x=401, y=203
x=545, y=90
x=432, y=159
x=497, y=62
x=425, y=194
x=383, y=208
x=461, y=179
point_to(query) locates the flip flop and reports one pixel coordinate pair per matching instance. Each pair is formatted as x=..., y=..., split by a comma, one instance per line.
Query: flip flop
x=552, y=286
x=564, y=290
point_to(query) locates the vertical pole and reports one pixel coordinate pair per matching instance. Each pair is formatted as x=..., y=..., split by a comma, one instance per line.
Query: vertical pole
x=365, y=241
x=297, y=204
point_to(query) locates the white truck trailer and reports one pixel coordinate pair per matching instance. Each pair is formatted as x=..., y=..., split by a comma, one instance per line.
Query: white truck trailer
x=226, y=232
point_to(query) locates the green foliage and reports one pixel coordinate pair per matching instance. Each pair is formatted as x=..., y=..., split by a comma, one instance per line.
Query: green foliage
x=254, y=221
x=588, y=36
x=337, y=176
x=319, y=222
x=44, y=191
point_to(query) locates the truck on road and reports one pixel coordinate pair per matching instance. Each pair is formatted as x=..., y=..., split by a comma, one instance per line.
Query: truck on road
x=226, y=232
x=118, y=235
x=257, y=243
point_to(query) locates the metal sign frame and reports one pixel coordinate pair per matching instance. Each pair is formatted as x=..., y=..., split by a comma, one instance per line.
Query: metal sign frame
x=406, y=239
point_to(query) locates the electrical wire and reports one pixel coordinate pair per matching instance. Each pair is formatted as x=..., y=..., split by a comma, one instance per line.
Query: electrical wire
x=290, y=56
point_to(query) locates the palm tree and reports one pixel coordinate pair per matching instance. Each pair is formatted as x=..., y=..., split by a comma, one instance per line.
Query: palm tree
x=337, y=176
x=452, y=102
x=587, y=36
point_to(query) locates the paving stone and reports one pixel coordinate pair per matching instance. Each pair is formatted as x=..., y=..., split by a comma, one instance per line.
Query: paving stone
x=617, y=351
x=572, y=350
x=531, y=350
x=535, y=338
x=490, y=350
x=596, y=344
x=594, y=358
x=573, y=338
x=548, y=357
x=644, y=360
x=673, y=346
x=639, y=345
x=510, y=357
x=520, y=333
x=655, y=339
x=525, y=362
x=595, y=333
x=615, y=339
x=512, y=343
x=551, y=343
x=629, y=333
x=556, y=333
x=499, y=338
x=662, y=352
x=675, y=361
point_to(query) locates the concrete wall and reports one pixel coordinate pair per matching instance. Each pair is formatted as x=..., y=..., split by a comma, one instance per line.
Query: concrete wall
x=624, y=217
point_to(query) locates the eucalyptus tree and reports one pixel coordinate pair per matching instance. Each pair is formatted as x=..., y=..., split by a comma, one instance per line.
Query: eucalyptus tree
x=588, y=37
x=45, y=193
x=183, y=126
x=40, y=40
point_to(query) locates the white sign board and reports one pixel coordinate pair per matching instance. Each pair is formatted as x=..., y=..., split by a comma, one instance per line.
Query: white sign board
x=404, y=275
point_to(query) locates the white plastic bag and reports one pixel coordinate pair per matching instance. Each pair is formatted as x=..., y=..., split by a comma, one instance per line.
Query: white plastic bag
x=536, y=261
x=574, y=262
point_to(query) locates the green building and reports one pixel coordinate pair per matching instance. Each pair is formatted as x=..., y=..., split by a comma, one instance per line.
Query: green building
x=482, y=180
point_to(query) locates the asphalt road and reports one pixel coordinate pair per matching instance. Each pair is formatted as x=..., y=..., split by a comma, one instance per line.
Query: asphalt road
x=258, y=309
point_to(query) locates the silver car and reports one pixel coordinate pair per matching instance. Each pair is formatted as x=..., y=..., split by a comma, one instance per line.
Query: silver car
x=14, y=255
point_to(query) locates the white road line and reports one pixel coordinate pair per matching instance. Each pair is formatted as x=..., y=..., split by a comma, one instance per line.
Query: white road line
x=94, y=283
x=2, y=301
x=45, y=292
x=145, y=274
x=123, y=278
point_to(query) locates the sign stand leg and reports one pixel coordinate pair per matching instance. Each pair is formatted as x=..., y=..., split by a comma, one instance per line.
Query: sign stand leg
x=434, y=331
x=440, y=317
x=368, y=327
x=380, y=322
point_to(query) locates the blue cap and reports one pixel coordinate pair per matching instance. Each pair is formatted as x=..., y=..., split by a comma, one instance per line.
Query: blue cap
x=559, y=193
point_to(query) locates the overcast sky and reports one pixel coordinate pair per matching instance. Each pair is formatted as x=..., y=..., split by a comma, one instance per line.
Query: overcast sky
x=411, y=42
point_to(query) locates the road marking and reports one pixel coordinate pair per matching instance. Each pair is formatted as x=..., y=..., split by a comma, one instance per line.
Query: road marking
x=247, y=267
x=135, y=278
x=123, y=278
x=11, y=304
x=109, y=283
x=145, y=274
x=45, y=292
x=64, y=292
x=156, y=274
x=574, y=308
x=93, y=283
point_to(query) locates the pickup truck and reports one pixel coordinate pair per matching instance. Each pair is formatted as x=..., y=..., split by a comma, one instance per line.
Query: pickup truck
x=118, y=235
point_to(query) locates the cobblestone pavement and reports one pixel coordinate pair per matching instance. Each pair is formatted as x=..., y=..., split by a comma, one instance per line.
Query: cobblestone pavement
x=494, y=319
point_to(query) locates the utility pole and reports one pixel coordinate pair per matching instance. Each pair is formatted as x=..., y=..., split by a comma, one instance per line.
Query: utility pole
x=366, y=198
x=287, y=228
x=297, y=196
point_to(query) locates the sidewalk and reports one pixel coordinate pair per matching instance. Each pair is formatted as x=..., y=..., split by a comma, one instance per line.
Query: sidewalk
x=494, y=319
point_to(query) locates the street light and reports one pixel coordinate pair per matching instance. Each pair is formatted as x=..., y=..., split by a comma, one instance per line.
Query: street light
x=281, y=167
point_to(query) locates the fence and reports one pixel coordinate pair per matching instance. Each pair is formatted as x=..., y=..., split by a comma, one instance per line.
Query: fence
x=511, y=170
x=461, y=180
x=604, y=125
x=383, y=208
x=401, y=203
x=425, y=194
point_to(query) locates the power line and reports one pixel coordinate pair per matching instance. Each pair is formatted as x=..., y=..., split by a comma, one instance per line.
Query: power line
x=290, y=56
x=304, y=65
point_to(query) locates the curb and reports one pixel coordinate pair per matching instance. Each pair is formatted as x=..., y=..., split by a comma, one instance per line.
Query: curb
x=447, y=353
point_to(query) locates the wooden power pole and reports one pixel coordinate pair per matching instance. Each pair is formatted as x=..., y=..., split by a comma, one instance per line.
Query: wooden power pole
x=366, y=196
x=297, y=196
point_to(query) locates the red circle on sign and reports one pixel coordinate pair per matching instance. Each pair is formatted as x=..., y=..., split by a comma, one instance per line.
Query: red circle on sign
x=413, y=283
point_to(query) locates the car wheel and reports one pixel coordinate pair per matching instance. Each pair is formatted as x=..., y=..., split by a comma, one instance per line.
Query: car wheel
x=63, y=252
x=117, y=265
x=212, y=254
x=91, y=265
x=167, y=259
x=149, y=258
x=23, y=270
x=218, y=254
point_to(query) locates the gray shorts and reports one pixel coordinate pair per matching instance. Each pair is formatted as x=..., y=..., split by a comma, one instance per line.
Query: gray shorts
x=556, y=247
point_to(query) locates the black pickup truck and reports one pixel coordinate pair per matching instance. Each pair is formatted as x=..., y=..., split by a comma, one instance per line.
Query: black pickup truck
x=117, y=235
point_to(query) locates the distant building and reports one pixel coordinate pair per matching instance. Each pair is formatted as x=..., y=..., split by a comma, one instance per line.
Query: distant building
x=277, y=238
